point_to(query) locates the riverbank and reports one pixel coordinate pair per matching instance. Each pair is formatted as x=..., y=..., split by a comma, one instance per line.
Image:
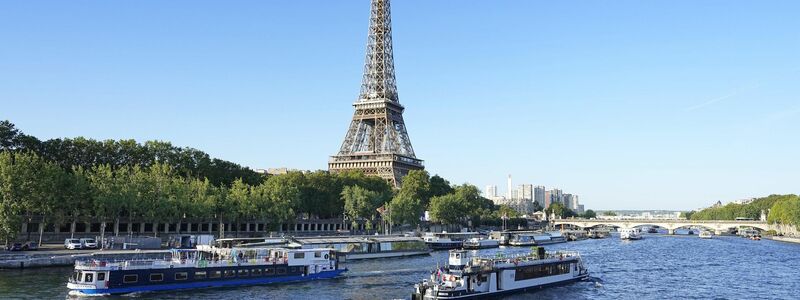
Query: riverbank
x=785, y=239
x=37, y=260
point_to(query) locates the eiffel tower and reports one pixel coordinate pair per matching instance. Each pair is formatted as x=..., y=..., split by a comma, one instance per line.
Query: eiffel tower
x=377, y=142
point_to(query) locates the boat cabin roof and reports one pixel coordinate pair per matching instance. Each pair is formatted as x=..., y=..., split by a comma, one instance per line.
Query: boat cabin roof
x=453, y=233
x=330, y=240
x=385, y=239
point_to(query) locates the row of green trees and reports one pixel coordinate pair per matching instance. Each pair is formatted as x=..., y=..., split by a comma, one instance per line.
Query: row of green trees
x=783, y=209
x=87, y=153
x=32, y=186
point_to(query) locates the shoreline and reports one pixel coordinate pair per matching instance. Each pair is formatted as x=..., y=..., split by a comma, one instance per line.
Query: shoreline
x=785, y=239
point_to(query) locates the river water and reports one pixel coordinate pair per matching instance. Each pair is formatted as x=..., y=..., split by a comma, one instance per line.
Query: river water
x=656, y=267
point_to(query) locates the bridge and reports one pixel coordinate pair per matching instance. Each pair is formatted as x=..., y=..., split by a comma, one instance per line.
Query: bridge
x=718, y=226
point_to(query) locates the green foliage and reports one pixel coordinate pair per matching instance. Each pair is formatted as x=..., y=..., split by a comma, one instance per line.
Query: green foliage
x=609, y=213
x=448, y=209
x=87, y=153
x=360, y=204
x=589, y=214
x=559, y=210
x=786, y=210
x=733, y=210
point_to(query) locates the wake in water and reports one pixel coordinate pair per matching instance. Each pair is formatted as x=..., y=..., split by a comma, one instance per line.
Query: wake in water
x=381, y=272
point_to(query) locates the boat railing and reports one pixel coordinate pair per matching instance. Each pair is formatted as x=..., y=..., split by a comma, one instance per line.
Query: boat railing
x=144, y=263
x=490, y=261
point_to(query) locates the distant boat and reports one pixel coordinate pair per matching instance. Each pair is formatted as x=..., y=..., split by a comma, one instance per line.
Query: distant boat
x=365, y=247
x=448, y=240
x=630, y=234
x=481, y=243
x=537, y=239
x=705, y=234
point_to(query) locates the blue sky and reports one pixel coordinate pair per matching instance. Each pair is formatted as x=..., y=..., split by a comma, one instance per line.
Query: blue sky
x=630, y=104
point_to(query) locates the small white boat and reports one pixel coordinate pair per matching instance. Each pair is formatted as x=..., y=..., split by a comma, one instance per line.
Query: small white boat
x=481, y=243
x=705, y=234
x=448, y=240
x=630, y=234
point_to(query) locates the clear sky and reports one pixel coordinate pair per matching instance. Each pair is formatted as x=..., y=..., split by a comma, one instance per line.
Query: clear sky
x=630, y=104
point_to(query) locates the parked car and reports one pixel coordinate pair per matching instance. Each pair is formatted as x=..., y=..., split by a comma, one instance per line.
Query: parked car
x=14, y=247
x=88, y=243
x=72, y=244
x=30, y=246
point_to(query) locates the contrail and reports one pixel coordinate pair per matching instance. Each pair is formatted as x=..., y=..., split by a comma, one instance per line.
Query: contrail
x=718, y=99
x=712, y=101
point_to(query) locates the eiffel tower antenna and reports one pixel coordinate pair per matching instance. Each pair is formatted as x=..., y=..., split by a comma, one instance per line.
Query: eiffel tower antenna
x=376, y=142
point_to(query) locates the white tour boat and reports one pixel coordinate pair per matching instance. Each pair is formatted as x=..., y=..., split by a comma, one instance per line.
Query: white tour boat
x=479, y=277
x=448, y=240
x=201, y=268
x=630, y=234
x=481, y=243
x=536, y=239
x=705, y=234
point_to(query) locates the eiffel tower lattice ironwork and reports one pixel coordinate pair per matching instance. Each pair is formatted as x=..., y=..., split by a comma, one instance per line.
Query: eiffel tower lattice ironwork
x=377, y=142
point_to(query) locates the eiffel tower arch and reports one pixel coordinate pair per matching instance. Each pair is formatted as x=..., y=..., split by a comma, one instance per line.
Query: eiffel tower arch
x=377, y=142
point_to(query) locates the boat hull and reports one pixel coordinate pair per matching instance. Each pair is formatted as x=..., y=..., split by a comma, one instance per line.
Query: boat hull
x=445, y=245
x=205, y=284
x=358, y=256
x=503, y=292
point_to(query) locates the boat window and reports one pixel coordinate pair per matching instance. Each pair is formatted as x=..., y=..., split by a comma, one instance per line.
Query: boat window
x=130, y=278
x=243, y=272
x=269, y=271
x=101, y=276
x=291, y=270
x=200, y=275
x=215, y=274
x=181, y=276
x=230, y=273
x=281, y=270
x=155, y=277
x=89, y=277
x=298, y=255
x=255, y=272
x=317, y=254
x=77, y=275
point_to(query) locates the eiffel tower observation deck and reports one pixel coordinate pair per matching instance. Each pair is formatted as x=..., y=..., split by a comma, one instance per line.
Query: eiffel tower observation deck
x=377, y=142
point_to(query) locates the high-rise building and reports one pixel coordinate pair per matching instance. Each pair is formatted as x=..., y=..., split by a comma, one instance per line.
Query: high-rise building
x=490, y=192
x=539, y=195
x=567, y=200
x=556, y=196
x=548, y=199
x=526, y=191
x=377, y=142
x=510, y=188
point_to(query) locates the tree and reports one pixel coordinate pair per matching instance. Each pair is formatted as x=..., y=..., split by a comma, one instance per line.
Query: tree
x=448, y=209
x=360, y=204
x=589, y=214
x=417, y=185
x=11, y=204
x=439, y=187
x=786, y=210
x=609, y=213
x=405, y=209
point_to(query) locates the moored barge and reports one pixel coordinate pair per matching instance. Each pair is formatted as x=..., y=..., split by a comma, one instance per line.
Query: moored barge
x=202, y=268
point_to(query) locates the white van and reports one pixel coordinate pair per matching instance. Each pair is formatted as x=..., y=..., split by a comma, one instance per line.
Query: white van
x=72, y=244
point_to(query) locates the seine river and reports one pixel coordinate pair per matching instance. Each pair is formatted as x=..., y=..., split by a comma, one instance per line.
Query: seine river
x=657, y=267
